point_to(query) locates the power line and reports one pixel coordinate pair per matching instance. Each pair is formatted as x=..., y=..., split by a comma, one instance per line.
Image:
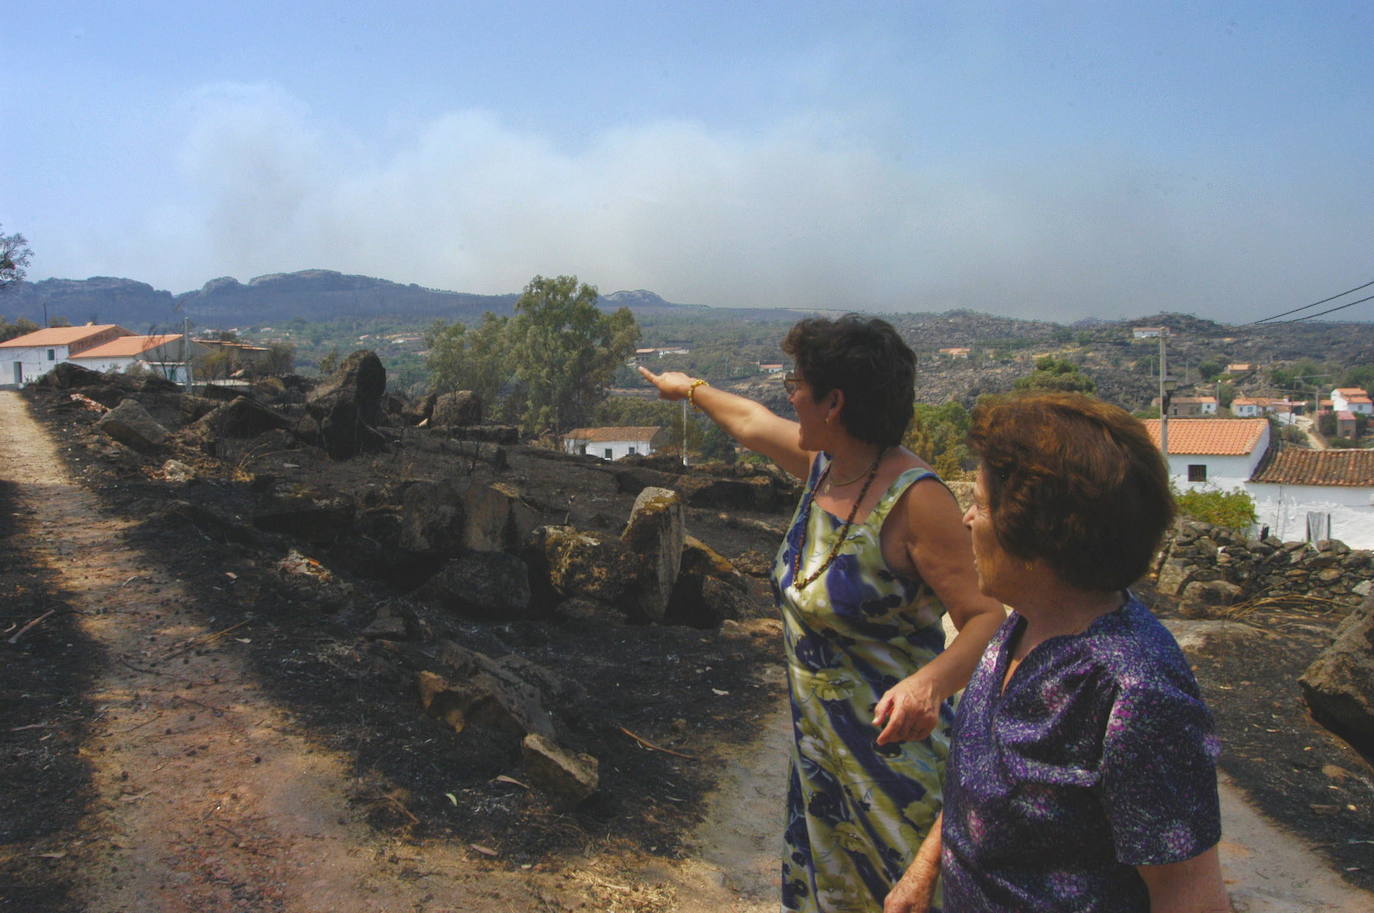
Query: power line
x=1316, y=303
x=1330, y=310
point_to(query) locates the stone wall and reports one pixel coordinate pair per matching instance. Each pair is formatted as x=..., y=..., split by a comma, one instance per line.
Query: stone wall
x=1209, y=568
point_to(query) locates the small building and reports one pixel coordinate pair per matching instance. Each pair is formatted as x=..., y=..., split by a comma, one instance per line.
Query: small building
x=167, y=356
x=1283, y=410
x=1213, y=452
x=1352, y=399
x=29, y=357
x=1148, y=332
x=774, y=368
x=1345, y=424
x=955, y=352
x=1240, y=367
x=1328, y=492
x=614, y=443
x=1192, y=406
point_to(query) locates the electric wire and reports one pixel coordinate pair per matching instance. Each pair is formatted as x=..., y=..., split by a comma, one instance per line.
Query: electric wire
x=1315, y=304
x=1330, y=310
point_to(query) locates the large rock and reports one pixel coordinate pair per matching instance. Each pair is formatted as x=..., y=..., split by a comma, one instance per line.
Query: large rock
x=1339, y=685
x=347, y=406
x=496, y=518
x=431, y=519
x=708, y=589
x=567, y=778
x=462, y=407
x=316, y=516
x=1206, y=598
x=566, y=562
x=131, y=425
x=655, y=534
x=241, y=417
x=487, y=585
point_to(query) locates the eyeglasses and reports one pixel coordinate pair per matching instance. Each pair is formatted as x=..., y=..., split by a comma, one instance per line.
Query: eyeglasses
x=791, y=383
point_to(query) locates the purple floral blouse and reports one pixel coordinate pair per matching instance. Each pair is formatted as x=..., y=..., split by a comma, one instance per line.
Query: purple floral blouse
x=1098, y=757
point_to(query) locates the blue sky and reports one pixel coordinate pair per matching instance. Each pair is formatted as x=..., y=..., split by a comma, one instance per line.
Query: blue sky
x=1054, y=160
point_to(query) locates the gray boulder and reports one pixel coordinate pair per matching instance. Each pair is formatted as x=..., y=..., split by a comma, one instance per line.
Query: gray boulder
x=462, y=407
x=567, y=778
x=655, y=534
x=348, y=406
x=131, y=425
x=1339, y=685
x=487, y=585
x=1205, y=598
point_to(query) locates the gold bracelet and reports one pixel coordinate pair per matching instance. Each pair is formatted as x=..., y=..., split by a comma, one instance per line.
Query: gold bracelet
x=691, y=392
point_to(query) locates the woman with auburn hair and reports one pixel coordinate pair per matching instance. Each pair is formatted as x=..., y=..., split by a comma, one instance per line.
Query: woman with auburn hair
x=1082, y=774
x=875, y=554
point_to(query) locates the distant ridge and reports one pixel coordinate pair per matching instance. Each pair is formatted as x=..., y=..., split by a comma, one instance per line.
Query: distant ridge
x=315, y=295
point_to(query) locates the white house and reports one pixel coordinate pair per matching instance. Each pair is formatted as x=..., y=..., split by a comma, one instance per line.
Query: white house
x=1255, y=406
x=1192, y=406
x=1213, y=452
x=1147, y=332
x=1351, y=399
x=1329, y=492
x=614, y=443
x=27, y=358
x=166, y=355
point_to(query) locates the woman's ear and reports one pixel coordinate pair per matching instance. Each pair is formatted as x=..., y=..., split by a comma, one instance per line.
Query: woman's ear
x=836, y=406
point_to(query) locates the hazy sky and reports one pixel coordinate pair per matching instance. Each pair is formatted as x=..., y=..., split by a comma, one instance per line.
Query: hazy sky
x=1056, y=160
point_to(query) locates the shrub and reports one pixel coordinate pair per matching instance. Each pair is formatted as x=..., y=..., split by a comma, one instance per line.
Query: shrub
x=1233, y=509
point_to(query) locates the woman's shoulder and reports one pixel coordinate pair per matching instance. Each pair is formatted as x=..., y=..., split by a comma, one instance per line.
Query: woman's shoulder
x=1134, y=648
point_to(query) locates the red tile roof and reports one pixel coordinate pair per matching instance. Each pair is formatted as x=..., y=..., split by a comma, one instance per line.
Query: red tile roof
x=127, y=345
x=61, y=336
x=636, y=433
x=1294, y=466
x=1211, y=436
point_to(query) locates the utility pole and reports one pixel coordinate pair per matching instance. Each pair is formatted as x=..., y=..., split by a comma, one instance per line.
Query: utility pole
x=1163, y=401
x=684, y=433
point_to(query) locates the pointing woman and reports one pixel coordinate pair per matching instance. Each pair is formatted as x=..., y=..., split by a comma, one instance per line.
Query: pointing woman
x=875, y=554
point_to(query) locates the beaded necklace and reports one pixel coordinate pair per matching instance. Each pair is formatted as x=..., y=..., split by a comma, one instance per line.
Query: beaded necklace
x=839, y=540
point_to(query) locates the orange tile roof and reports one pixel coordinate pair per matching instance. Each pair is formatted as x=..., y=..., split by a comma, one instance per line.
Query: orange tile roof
x=60, y=336
x=1294, y=466
x=632, y=433
x=1347, y=391
x=1211, y=436
x=127, y=345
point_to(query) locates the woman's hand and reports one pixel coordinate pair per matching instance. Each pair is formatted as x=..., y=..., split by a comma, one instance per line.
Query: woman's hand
x=915, y=890
x=911, y=708
x=672, y=385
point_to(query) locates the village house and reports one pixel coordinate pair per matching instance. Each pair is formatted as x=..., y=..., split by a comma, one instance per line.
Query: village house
x=32, y=355
x=772, y=368
x=955, y=352
x=614, y=443
x=167, y=356
x=1283, y=410
x=1213, y=452
x=1240, y=367
x=1191, y=406
x=1352, y=399
x=1316, y=494
x=1147, y=332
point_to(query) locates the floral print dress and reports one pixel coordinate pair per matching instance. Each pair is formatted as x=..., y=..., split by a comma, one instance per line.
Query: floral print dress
x=856, y=811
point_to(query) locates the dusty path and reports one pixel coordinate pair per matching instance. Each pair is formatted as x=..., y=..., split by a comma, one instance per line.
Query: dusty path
x=210, y=798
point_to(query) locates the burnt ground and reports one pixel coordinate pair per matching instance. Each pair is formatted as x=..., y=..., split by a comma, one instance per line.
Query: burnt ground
x=683, y=689
x=652, y=702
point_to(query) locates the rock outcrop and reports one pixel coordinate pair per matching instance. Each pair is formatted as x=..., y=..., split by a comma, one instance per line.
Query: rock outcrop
x=1339, y=685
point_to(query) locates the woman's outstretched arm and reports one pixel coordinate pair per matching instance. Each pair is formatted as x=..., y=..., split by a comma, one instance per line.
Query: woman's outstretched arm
x=750, y=423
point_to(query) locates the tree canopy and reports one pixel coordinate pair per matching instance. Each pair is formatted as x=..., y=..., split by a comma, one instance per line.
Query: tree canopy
x=1056, y=375
x=14, y=259
x=548, y=366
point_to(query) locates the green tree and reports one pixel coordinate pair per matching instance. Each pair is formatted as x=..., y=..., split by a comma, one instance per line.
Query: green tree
x=564, y=352
x=20, y=327
x=1226, y=394
x=1056, y=374
x=477, y=359
x=1210, y=369
x=937, y=434
x=14, y=259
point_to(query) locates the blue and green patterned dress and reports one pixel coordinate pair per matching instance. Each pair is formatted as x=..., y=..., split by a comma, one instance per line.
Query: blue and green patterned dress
x=856, y=811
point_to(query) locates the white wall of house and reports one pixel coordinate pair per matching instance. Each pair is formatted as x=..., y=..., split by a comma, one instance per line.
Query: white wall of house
x=25, y=364
x=1225, y=472
x=1284, y=509
x=608, y=450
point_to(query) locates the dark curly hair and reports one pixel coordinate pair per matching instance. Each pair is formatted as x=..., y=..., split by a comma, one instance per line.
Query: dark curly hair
x=865, y=358
x=1075, y=482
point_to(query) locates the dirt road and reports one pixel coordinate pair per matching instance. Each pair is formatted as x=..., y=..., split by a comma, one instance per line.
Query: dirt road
x=210, y=799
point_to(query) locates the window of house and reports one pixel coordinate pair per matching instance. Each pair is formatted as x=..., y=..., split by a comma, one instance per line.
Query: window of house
x=52, y=355
x=608, y=453
x=1197, y=472
x=632, y=448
